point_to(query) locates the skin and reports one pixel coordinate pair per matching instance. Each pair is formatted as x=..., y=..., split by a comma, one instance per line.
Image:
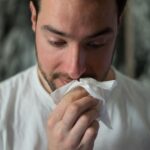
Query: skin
x=74, y=39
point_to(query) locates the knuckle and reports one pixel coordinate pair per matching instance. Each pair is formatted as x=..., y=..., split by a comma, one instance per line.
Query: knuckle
x=59, y=134
x=84, y=92
x=79, y=88
x=92, y=132
x=95, y=114
x=97, y=124
x=74, y=108
x=81, y=91
x=85, y=119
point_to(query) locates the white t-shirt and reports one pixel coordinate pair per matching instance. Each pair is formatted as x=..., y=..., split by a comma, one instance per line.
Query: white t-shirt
x=25, y=107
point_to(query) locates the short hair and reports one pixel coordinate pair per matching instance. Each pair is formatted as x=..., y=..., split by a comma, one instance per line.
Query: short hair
x=36, y=4
x=120, y=4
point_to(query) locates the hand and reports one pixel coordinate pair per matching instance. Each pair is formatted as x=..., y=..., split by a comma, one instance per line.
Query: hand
x=72, y=125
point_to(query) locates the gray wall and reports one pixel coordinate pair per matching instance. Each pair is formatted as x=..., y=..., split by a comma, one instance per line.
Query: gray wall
x=16, y=37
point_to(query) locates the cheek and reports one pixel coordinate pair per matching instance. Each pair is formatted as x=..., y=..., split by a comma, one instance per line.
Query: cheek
x=99, y=61
x=103, y=56
x=48, y=58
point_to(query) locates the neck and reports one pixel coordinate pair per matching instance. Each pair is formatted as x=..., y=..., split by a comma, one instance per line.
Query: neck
x=110, y=75
x=44, y=82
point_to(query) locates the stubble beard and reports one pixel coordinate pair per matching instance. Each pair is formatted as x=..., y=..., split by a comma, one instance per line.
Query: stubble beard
x=51, y=77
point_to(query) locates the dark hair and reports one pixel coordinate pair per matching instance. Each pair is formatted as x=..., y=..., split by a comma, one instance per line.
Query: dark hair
x=121, y=5
x=36, y=4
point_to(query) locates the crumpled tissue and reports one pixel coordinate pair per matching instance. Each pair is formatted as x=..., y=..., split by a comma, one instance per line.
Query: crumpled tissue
x=99, y=90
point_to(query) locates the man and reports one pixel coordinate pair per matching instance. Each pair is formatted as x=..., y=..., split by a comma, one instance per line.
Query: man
x=74, y=39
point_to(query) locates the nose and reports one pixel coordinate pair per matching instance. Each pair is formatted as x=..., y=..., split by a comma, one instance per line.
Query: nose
x=76, y=62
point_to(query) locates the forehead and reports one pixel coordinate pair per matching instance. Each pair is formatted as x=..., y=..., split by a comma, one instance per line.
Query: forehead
x=75, y=14
x=83, y=5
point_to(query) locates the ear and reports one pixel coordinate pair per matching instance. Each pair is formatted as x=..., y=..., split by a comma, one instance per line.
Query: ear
x=33, y=16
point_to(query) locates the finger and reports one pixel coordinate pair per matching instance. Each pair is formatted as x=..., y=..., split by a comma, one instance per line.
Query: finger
x=77, y=108
x=70, y=97
x=90, y=136
x=82, y=124
x=74, y=94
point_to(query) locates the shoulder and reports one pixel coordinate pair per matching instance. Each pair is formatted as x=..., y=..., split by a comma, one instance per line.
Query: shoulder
x=15, y=86
x=131, y=99
x=131, y=91
x=17, y=81
x=12, y=95
x=131, y=86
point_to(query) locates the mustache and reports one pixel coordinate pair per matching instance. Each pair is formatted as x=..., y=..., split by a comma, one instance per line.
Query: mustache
x=57, y=75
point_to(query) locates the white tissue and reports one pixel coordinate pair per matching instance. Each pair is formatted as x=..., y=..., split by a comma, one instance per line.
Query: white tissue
x=99, y=90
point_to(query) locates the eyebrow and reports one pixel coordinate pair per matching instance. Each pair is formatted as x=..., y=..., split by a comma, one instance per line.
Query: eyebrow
x=55, y=31
x=107, y=30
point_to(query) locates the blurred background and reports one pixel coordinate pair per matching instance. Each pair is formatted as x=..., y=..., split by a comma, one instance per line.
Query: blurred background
x=17, y=40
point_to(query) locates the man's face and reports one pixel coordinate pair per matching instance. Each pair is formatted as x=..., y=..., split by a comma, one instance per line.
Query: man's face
x=75, y=39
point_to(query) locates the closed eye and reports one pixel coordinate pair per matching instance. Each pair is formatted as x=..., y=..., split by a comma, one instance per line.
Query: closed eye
x=57, y=43
x=94, y=45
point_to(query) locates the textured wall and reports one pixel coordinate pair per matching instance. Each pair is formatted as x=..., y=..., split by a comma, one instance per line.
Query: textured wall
x=16, y=37
x=141, y=13
x=17, y=42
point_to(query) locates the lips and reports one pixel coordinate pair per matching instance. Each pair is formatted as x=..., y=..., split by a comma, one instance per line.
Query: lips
x=61, y=81
x=65, y=81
